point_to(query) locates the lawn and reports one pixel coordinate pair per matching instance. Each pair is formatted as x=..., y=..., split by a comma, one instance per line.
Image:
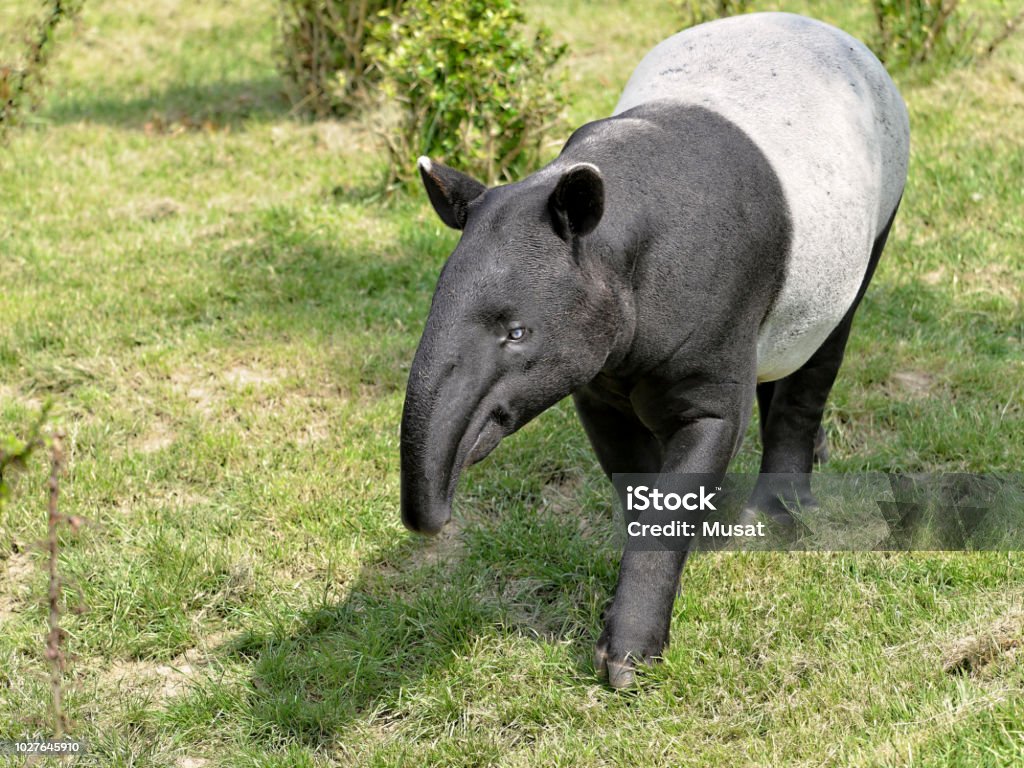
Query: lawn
x=223, y=314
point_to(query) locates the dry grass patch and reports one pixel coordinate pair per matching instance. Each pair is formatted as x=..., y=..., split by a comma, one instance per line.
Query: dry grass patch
x=972, y=653
x=165, y=680
x=158, y=437
x=990, y=278
x=207, y=388
x=150, y=209
x=912, y=383
x=16, y=574
x=561, y=492
x=348, y=136
x=250, y=376
x=9, y=394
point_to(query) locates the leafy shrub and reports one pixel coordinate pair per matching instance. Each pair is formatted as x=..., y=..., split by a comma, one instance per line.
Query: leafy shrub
x=910, y=32
x=698, y=11
x=21, y=81
x=477, y=89
x=933, y=35
x=14, y=452
x=322, y=51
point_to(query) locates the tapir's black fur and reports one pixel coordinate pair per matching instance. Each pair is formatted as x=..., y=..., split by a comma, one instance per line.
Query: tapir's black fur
x=635, y=273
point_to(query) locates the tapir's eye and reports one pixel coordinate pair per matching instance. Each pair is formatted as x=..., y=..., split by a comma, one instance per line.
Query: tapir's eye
x=516, y=334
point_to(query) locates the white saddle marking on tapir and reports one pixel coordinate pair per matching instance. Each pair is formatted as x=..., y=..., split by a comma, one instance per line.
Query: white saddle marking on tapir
x=830, y=121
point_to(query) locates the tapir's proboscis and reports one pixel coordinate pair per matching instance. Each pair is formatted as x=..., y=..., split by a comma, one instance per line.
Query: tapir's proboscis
x=705, y=245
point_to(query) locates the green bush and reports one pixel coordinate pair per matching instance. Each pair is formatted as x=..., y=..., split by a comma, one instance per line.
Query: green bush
x=477, y=88
x=15, y=452
x=698, y=11
x=322, y=51
x=21, y=81
x=913, y=32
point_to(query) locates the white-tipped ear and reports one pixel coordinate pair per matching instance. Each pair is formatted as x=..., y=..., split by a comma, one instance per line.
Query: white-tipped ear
x=450, y=192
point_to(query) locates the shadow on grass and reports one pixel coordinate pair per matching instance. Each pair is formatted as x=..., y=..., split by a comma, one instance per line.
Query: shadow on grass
x=513, y=594
x=228, y=103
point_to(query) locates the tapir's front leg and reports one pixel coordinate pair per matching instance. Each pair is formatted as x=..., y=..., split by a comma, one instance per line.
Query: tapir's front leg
x=637, y=622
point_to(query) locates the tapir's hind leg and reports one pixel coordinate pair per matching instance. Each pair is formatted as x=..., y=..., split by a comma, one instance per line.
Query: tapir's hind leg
x=764, y=400
x=791, y=410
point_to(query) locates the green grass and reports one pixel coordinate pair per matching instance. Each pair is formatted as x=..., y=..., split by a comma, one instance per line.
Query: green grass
x=224, y=319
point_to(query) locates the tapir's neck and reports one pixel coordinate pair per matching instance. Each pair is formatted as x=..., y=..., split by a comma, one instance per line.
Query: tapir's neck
x=619, y=286
x=612, y=251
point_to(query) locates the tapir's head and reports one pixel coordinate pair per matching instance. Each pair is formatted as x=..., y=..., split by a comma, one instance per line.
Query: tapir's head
x=523, y=314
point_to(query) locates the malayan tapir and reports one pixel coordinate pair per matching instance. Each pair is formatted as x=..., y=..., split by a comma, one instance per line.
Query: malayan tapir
x=705, y=245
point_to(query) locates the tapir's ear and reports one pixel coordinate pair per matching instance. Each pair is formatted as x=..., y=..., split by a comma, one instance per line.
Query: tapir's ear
x=577, y=203
x=450, y=192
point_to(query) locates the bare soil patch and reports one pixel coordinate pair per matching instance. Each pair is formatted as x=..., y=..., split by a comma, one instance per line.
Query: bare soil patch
x=15, y=573
x=913, y=383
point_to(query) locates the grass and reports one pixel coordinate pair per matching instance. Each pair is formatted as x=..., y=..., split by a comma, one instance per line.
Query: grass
x=224, y=319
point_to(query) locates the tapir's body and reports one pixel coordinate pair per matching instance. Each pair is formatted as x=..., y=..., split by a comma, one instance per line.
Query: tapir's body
x=706, y=244
x=830, y=123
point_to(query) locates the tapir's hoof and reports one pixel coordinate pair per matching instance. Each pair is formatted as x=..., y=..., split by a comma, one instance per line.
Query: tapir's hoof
x=775, y=516
x=620, y=674
x=778, y=504
x=782, y=531
x=618, y=666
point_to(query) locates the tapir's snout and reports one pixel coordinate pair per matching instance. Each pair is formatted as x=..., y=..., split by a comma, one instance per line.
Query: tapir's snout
x=446, y=426
x=423, y=516
x=430, y=472
x=426, y=502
